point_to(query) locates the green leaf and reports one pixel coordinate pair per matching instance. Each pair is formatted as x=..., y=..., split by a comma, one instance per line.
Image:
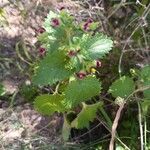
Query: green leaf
x=145, y=78
x=75, y=64
x=147, y=92
x=48, y=104
x=2, y=90
x=122, y=87
x=81, y=90
x=52, y=69
x=94, y=47
x=87, y=114
x=47, y=23
x=43, y=38
x=56, y=33
x=145, y=105
x=145, y=74
x=94, y=25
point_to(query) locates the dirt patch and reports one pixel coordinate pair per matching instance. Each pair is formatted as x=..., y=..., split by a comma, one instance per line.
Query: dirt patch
x=21, y=127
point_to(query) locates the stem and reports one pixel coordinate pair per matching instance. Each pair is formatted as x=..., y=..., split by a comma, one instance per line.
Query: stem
x=114, y=126
x=12, y=99
x=108, y=120
x=145, y=130
x=141, y=127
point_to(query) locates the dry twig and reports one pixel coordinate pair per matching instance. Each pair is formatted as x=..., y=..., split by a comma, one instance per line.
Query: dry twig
x=114, y=126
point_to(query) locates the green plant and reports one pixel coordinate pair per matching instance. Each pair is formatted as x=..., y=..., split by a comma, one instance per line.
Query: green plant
x=70, y=56
x=125, y=89
x=2, y=90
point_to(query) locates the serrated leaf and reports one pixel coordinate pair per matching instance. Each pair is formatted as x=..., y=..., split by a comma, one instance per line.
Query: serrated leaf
x=56, y=33
x=87, y=115
x=81, y=90
x=52, y=69
x=122, y=87
x=47, y=25
x=96, y=46
x=48, y=104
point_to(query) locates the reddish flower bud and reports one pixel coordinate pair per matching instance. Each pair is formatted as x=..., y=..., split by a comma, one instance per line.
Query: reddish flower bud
x=55, y=22
x=81, y=75
x=42, y=51
x=98, y=64
x=87, y=24
x=41, y=30
x=72, y=53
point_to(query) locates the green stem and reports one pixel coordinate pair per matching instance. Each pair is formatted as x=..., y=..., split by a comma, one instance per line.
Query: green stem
x=108, y=120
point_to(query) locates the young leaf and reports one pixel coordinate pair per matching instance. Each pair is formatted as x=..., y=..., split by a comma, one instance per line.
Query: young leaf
x=96, y=47
x=81, y=90
x=48, y=104
x=122, y=87
x=87, y=114
x=60, y=31
x=52, y=69
x=47, y=25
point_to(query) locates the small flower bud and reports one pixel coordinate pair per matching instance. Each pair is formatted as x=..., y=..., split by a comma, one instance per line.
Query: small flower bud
x=87, y=24
x=81, y=75
x=41, y=30
x=55, y=22
x=42, y=51
x=72, y=53
x=98, y=64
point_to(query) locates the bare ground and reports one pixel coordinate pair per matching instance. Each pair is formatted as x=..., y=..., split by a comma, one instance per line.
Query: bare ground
x=21, y=127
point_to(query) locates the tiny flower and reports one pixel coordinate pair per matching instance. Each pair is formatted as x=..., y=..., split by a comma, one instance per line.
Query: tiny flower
x=55, y=22
x=98, y=64
x=87, y=24
x=41, y=30
x=42, y=51
x=93, y=70
x=81, y=75
x=72, y=53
